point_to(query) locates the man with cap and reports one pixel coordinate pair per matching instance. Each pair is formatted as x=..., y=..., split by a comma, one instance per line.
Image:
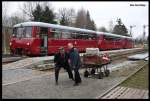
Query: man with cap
x=61, y=60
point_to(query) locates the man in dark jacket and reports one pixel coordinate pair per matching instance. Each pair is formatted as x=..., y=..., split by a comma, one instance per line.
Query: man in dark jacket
x=75, y=62
x=61, y=60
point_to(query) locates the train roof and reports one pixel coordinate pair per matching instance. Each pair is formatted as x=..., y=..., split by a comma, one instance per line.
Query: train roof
x=42, y=24
x=115, y=35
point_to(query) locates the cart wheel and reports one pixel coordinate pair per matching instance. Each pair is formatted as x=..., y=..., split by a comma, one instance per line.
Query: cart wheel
x=100, y=75
x=107, y=72
x=86, y=73
x=92, y=71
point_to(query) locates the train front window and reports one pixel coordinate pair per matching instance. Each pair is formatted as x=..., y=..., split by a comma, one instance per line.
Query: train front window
x=22, y=32
x=14, y=32
x=28, y=32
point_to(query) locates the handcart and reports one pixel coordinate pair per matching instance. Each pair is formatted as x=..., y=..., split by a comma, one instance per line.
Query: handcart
x=96, y=64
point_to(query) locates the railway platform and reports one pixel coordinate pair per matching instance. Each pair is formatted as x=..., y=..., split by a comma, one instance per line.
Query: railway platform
x=21, y=82
x=44, y=87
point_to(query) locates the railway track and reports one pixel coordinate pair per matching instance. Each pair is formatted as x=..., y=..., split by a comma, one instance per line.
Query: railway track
x=11, y=59
x=125, y=55
x=8, y=58
x=117, y=85
x=29, y=62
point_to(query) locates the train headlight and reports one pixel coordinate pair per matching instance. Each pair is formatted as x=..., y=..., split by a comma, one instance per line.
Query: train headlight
x=10, y=43
x=28, y=43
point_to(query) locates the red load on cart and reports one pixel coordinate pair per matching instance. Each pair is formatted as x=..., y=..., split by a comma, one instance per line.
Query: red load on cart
x=93, y=60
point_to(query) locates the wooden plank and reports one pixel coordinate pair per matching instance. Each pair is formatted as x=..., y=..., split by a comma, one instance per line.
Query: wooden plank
x=138, y=94
x=133, y=94
x=144, y=92
x=127, y=95
x=107, y=92
x=141, y=94
x=118, y=93
x=145, y=96
x=126, y=92
x=111, y=92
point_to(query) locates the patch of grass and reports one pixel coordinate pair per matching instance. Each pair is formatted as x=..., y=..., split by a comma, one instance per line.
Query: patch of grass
x=139, y=80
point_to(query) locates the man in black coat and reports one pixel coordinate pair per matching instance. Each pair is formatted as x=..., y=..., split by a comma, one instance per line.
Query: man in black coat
x=61, y=60
x=75, y=62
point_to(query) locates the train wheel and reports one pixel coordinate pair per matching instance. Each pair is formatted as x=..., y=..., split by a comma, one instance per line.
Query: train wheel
x=86, y=73
x=107, y=72
x=100, y=75
x=92, y=71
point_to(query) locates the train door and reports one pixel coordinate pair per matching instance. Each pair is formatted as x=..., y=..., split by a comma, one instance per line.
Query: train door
x=44, y=41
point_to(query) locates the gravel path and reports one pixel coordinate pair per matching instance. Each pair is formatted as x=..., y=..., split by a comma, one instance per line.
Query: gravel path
x=44, y=86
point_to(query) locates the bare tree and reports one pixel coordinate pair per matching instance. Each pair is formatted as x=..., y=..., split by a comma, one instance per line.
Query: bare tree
x=46, y=4
x=28, y=8
x=4, y=13
x=16, y=18
x=66, y=16
x=102, y=29
x=4, y=24
x=111, y=26
x=81, y=19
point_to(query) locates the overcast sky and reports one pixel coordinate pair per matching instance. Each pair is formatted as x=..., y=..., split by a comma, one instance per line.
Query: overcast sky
x=131, y=13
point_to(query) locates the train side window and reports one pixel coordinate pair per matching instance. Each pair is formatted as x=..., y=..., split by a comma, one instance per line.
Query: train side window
x=118, y=39
x=73, y=35
x=44, y=30
x=85, y=36
x=66, y=35
x=82, y=36
x=55, y=33
x=105, y=37
x=109, y=38
x=92, y=36
x=78, y=35
x=37, y=32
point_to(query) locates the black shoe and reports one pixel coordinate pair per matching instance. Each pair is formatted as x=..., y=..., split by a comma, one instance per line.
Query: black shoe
x=56, y=83
x=72, y=79
x=76, y=84
x=80, y=81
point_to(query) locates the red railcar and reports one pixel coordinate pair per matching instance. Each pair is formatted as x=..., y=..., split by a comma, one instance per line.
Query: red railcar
x=37, y=38
x=109, y=41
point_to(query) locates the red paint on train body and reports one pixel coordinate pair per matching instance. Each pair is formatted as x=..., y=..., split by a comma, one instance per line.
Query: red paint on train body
x=37, y=38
